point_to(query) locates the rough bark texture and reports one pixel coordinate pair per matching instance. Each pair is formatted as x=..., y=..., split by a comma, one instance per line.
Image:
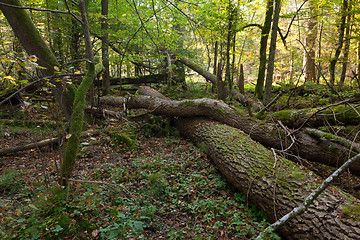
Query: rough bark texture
x=276, y=186
x=341, y=114
x=314, y=149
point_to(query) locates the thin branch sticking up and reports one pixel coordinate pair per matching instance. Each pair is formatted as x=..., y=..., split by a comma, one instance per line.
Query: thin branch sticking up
x=310, y=199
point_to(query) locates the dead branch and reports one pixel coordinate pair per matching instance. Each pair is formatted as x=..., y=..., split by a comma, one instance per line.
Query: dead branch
x=43, y=143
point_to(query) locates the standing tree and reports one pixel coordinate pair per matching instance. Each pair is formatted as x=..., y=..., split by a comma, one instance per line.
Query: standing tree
x=263, y=47
x=34, y=44
x=105, y=46
x=339, y=43
x=310, y=42
x=77, y=117
x=272, y=50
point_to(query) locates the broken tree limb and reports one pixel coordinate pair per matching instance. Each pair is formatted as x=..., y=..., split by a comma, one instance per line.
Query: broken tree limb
x=42, y=143
x=276, y=186
x=314, y=149
x=207, y=75
x=297, y=211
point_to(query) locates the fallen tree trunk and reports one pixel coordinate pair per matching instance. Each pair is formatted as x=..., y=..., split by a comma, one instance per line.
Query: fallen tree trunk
x=207, y=75
x=315, y=117
x=274, y=184
x=154, y=78
x=312, y=148
x=42, y=143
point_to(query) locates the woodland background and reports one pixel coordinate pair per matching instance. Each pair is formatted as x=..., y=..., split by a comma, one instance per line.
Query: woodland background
x=275, y=67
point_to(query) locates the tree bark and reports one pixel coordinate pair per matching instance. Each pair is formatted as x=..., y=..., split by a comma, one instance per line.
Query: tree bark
x=340, y=114
x=77, y=117
x=153, y=78
x=263, y=47
x=105, y=46
x=42, y=143
x=272, y=51
x=274, y=184
x=34, y=44
x=241, y=80
x=340, y=42
x=310, y=42
x=346, y=46
x=208, y=76
x=314, y=149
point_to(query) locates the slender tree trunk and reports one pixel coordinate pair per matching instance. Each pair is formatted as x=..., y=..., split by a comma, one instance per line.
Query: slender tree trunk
x=240, y=82
x=34, y=44
x=358, y=64
x=319, y=54
x=346, y=47
x=105, y=46
x=77, y=117
x=263, y=47
x=310, y=42
x=272, y=51
x=339, y=44
x=228, y=46
x=215, y=57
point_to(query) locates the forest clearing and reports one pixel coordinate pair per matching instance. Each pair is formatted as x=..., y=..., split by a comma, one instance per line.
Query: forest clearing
x=179, y=119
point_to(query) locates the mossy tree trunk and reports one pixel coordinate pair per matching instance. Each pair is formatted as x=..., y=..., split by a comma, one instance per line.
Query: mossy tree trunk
x=276, y=186
x=314, y=149
x=34, y=44
x=77, y=117
x=342, y=114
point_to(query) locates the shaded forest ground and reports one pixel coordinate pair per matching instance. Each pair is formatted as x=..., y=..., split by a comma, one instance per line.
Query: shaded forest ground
x=146, y=182
x=162, y=188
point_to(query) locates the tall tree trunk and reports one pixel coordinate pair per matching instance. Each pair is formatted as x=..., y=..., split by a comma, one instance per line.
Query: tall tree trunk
x=340, y=42
x=272, y=51
x=310, y=44
x=34, y=44
x=77, y=117
x=229, y=39
x=105, y=46
x=319, y=53
x=263, y=47
x=215, y=57
x=346, y=46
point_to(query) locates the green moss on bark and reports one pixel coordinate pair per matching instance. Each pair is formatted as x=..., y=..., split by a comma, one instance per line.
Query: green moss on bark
x=76, y=125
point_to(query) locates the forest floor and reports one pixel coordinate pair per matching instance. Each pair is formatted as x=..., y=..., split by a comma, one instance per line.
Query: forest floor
x=135, y=180
x=140, y=187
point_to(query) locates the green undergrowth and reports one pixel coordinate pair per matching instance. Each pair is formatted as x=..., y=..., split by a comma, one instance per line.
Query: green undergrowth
x=161, y=188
